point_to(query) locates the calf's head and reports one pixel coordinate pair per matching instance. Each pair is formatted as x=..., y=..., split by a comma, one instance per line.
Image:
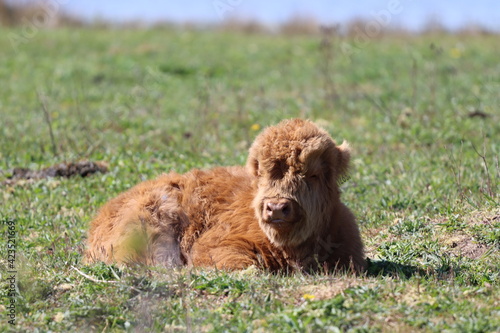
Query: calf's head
x=297, y=167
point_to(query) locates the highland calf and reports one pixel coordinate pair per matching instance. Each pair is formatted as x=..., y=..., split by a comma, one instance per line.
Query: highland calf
x=282, y=212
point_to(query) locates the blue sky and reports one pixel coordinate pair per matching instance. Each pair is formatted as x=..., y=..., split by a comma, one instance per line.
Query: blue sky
x=409, y=13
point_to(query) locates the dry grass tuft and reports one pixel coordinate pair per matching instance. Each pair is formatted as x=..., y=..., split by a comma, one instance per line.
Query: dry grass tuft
x=334, y=287
x=300, y=25
x=248, y=27
x=17, y=13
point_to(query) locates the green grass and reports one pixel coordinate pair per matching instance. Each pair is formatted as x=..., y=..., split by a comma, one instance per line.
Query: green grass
x=147, y=102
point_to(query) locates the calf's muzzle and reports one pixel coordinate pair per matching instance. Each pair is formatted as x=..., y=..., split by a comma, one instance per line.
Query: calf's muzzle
x=280, y=211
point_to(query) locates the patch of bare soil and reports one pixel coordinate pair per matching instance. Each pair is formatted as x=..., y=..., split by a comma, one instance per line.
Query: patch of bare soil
x=62, y=170
x=463, y=244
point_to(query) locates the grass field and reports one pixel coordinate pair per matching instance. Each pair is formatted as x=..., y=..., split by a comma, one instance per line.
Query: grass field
x=421, y=114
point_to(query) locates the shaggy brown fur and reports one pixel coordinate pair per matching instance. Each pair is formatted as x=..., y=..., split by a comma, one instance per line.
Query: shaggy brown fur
x=283, y=212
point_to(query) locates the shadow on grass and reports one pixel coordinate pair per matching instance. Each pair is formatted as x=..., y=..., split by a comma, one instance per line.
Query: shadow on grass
x=390, y=268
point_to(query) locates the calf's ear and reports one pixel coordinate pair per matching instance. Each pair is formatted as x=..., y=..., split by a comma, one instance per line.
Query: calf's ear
x=252, y=161
x=253, y=166
x=343, y=159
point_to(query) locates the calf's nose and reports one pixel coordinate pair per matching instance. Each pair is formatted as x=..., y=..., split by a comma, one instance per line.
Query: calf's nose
x=279, y=209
